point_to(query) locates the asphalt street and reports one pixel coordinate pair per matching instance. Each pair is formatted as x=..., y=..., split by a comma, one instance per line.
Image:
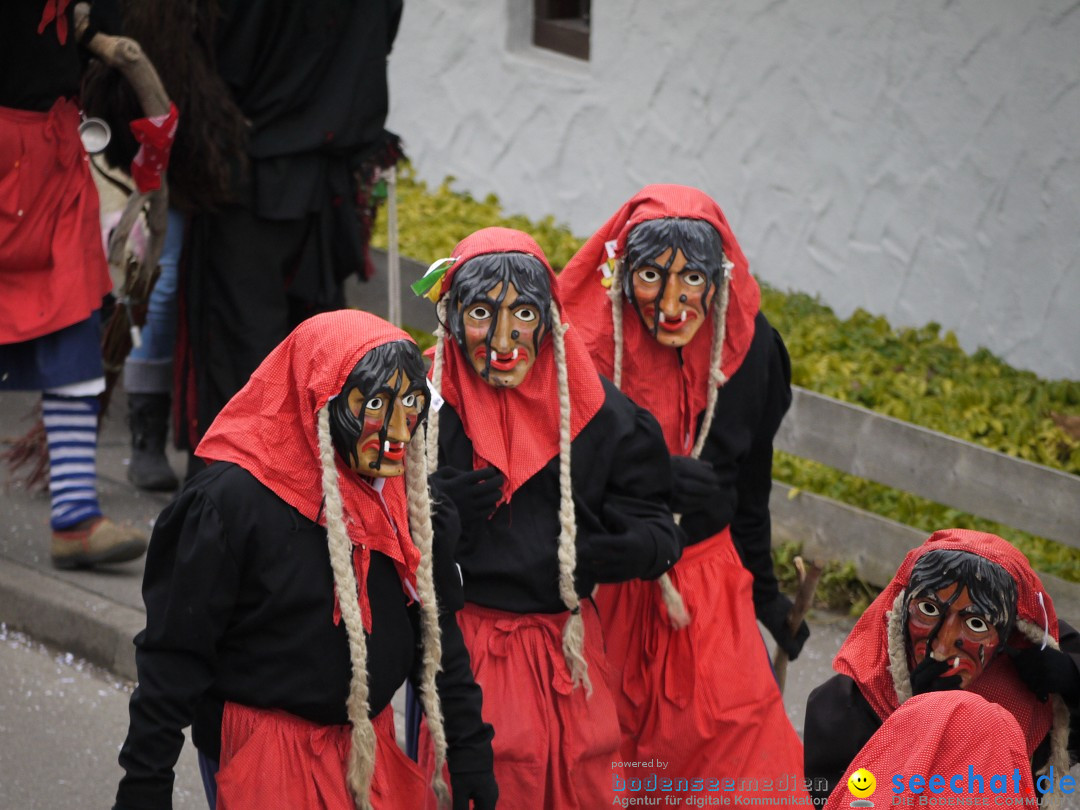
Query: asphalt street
x=62, y=721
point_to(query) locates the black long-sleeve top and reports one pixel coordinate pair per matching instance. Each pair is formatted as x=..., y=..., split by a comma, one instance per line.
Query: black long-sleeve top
x=749, y=409
x=239, y=599
x=37, y=69
x=840, y=721
x=619, y=458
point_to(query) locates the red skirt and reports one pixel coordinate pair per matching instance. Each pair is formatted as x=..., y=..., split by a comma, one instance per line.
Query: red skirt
x=270, y=758
x=700, y=703
x=53, y=271
x=554, y=747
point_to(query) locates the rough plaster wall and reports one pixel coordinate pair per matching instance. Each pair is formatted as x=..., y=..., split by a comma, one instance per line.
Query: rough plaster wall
x=917, y=159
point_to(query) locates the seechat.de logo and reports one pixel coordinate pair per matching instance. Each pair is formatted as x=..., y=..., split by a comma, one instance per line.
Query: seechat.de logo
x=862, y=785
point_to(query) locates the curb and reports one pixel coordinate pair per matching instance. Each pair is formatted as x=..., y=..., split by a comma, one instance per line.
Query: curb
x=63, y=615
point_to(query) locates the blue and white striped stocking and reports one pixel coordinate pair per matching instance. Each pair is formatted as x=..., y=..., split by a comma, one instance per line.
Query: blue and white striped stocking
x=71, y=430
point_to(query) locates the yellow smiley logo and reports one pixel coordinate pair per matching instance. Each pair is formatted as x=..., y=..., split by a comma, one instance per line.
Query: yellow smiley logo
x=862, y=784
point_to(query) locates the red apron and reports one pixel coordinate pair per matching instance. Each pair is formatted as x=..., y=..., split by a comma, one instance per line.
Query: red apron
x=53, y=271
x=270, y=758
x=553, y=746
x=703, y=701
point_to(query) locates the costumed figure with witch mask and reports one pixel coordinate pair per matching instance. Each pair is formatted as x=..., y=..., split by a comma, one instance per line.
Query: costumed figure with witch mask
x=965, y=630
x=291, y=589
x=668, y=309
x=561, y=483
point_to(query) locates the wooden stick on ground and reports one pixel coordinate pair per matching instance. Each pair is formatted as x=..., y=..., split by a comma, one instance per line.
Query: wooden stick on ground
x=809, y=574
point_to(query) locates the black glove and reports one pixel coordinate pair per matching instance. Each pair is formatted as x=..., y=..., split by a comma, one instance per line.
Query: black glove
x=617, y=554
x=447, y=577
x=1047, y=672
x=693, y=484
x=474, y=493
x=774, y=613
x=477, y=787
x=926, y=677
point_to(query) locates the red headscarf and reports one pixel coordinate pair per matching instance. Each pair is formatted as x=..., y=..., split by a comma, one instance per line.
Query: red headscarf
x=864, y=656
x=516, y=430
x=652, y=373
x=270, y=428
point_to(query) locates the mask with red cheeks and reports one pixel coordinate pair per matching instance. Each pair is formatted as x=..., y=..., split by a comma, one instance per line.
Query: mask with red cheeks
x=383, y=402
x=498, y=312
x=674, y=268
x=960, y=609
x=389, y=420
x=672, y=298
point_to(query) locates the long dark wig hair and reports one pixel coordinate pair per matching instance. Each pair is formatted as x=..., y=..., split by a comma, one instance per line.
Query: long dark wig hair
x=209, y=155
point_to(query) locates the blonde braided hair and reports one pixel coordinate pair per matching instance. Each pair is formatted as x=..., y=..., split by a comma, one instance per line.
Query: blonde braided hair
x=574, y=629
x=432, y=428
x=673, y=601
x=361, y=764
x=419, y=501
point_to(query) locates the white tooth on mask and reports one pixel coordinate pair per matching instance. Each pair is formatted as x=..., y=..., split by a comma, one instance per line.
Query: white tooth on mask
x=514, y=355
x=662, y=318
x=956, y=661
x=386, y=446
x=683, y=318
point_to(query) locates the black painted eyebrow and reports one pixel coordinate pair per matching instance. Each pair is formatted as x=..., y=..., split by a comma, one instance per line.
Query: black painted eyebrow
x=485, y=300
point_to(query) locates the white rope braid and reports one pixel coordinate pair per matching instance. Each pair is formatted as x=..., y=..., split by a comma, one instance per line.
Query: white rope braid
x=431, y=432
x=716, y=365
x=898, y=664
x=678, y=616
x=616, y=297
x=419, y=500
x=574, y=629
x=361, y=764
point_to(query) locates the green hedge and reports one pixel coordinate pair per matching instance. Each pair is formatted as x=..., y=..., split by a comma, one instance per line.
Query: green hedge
x=918, y=375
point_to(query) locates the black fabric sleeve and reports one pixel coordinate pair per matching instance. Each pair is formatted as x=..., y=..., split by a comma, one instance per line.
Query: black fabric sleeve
x=839, y=722
x=189, y=587
x=105, y=18
x=447, y=530
x=468, y=737
x=638, y=493
x=751, y=526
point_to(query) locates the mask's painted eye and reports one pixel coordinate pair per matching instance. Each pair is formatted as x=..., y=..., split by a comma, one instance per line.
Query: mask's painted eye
x=648, y=275
x=977, y=624
x=928, y=609
x=410, y=400
x=526, y=314
x=694, y=278
x=479, y=312
x=374, y=404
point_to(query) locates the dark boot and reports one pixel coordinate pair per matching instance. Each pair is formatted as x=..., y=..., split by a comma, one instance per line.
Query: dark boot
x=148, y=417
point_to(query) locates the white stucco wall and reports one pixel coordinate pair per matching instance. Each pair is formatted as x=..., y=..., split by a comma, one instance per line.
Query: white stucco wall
x=917, y=158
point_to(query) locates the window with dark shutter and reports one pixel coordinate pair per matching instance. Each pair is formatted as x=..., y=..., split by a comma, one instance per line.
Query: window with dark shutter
x=563, y=26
